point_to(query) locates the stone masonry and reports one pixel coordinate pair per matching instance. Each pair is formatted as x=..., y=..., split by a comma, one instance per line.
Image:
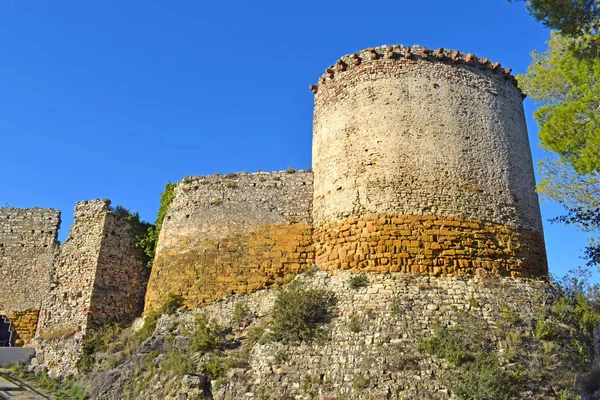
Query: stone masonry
x=28, y=249
x=99, y=278
x=421, y=163
x=236, y=233
x=421, y=168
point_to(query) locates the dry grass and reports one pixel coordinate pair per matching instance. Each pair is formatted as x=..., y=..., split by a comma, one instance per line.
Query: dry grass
x=57, y=332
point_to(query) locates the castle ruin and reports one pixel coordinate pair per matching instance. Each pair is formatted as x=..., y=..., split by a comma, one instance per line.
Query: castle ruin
x=421, y=165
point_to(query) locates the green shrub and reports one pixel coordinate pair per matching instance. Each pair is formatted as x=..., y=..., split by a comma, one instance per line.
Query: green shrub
x=473, y=302
x=358, y=281
x=355, y=324
x=95, y=341
x=483, y=379
x=216, y=367
x=177, y=362
x=206, y=335
x=174, y=301
x=147, y=235
x=255, y=335
x=449, y=344
x=310, y=384
x=147, y=329
x=360, y=382
x=310, y=271
x=545, y=329
x=299, y=313
x=281, y=356
x=509, y=316
x=240, y=312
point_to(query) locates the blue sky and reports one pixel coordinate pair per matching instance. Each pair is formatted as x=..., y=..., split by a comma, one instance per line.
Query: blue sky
x=112, y=99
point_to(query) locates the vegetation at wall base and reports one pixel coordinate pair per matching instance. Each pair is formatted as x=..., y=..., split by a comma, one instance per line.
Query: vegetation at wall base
x=59, y=389
x=300, y=313
x=358, y=281
x=149, y=239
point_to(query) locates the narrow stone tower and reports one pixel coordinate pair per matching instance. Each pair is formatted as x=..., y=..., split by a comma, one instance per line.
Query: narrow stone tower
x=422, y=164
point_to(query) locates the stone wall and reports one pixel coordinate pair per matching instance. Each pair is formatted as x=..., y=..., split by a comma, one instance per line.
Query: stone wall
x=23, y=325
x=400, y=133
x=28, y=249
x=372, y=347
x=236, y=233
x=121, y=275
x=99, y=279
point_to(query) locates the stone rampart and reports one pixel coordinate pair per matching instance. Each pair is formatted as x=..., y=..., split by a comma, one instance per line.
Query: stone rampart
x=421, y=163
x=236, y=233
x=28, y=249
x=99, y=279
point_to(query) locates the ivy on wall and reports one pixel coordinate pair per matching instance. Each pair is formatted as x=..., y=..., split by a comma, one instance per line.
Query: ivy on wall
x=148, y=240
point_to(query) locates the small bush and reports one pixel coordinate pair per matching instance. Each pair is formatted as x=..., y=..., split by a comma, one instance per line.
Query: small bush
x=216, y=202
x=281, y=356
x=355, y=324
x=358, y=281
x=509, y=316
x=94, y=342
x=448, y=344
x=206, y=335
x=483, y=379
x=310, y=271
x=216, y=367
x=473, y=302
x=255, y=335
x=310, y=384
x=174, y=301
x=147, y=329
x=299, y=313
x=240, y=312
x=545, y=329
x=177, y=362
x=360, y=382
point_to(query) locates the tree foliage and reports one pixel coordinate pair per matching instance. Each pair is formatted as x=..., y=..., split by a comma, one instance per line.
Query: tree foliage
x=571, y=17
x=567, y=91
x=149, y=239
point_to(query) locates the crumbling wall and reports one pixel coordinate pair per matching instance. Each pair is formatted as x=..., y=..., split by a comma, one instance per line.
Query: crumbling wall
x=99, y=279
x=28, y=249
x=121, y=275
x=236, y=233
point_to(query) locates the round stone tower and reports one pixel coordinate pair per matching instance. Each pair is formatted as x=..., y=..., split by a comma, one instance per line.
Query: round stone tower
x=422, y=164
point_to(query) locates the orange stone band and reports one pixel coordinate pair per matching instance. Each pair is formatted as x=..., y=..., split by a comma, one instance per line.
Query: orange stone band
x=426, y=244
x=209, y=270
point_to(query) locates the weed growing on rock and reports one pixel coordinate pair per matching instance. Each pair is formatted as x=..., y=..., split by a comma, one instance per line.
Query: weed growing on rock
x=206, y=335
x=358, y=281
x=299, y=313
x=360, y=382
x=177, y=362
x=240, y=312
x=65, y=389
x=174, y=301
x=355, y=324
x=509, y=316
x=216, y=367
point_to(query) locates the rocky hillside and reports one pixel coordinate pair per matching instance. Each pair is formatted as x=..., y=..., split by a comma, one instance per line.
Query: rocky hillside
x=343, y=336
